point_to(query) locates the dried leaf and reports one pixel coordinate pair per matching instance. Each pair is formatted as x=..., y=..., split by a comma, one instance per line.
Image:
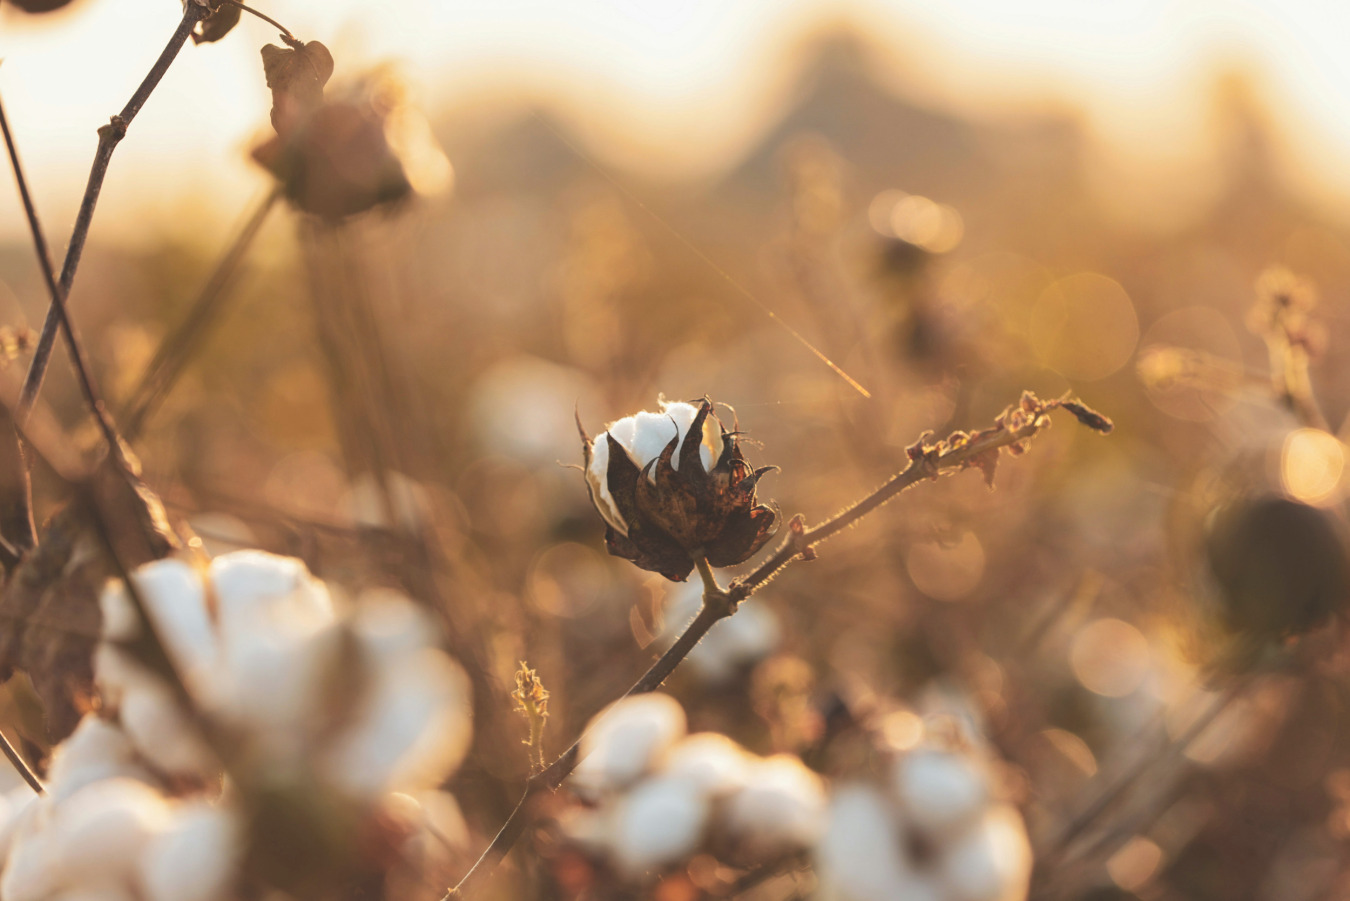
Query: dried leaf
x=297, y=76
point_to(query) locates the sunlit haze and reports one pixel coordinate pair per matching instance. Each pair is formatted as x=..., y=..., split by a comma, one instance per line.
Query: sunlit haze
x=676, y=89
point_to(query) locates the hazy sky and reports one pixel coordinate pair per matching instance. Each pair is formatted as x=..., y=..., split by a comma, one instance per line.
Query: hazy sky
x=680, y=84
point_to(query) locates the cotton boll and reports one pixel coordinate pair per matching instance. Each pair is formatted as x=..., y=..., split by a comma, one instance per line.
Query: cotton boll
x=195, y=858
x=19, y=806
x=623, y=741
x=32, y=871
x=412, y=729
x=98, y=833
x=254, y=586
x=96, y=750
x=162, y=733
x=779, y=810
x=658, y=823
x=861, y=856
x=172, y=593
x=990, y=862
x=711, y=762
x=941, y=791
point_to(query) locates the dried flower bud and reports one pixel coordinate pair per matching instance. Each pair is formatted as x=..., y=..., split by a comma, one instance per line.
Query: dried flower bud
x=669, y=495
x=218, y=22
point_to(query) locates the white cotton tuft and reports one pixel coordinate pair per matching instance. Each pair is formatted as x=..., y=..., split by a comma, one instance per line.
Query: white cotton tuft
x=861, y=856
x=412, y=730
x=645, y=436
x=172, y=593
x=942, y=791
x=19, y=805
x=160, y=730
x=32, y=871
x=624, y=740
x=710, y=761
x=195, y=858
x=98, y=833
x=990, y=862
x=250, y=586
x=96, y=750
x=658, y=823
x=779, y=810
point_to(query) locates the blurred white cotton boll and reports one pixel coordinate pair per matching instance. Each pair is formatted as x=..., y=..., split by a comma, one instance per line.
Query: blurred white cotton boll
x=194, y=858
x=411, y=731
x=253, y=587
x=861, y=856
x=710, y=761
x=624, y=740
x=98, y=833
x=941, y=791
x=96, y=750
x=19, y=806
x=990, y=862
x=523, y=408
x=732, y=644
x=658, y=823
x=153, y=720
x=779, y=810
x=172, y=593
x=31, y=869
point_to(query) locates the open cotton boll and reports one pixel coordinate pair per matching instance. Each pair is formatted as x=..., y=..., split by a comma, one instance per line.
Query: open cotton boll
x=98, y=833
x=779, y=810
x=172, y=593
x=32, y=871
x=412, y=730
x=645, y=435
x=942, y=791
x=195, y=858
x=990, y=862
x=712, y=763
x=254, y=587
x=862, y=854
x=96, y=750
x=658, y=823
x=157, y=726
x=623, y=741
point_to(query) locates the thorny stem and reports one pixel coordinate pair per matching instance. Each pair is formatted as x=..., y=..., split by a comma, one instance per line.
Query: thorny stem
x=926, y=462
x=175, y=351
x=109, y=136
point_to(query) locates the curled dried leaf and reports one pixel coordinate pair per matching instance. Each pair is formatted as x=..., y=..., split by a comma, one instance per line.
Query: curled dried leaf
x=219, y=22
x=296, y=76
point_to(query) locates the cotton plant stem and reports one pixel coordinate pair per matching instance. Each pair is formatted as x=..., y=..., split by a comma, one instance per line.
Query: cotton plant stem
x=21, y=766
x=716, y=605
x=926, y=462
x=109, y=136
x=178, y=348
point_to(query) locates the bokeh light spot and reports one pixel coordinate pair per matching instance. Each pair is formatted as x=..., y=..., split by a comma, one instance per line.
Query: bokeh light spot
x=1084, y=326
x=1312, y=463
x=1135, y=863
x=947, y=572
x=1110, y=657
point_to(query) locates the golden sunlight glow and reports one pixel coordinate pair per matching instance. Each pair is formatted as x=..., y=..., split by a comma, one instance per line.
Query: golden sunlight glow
x=1110, y=657
x=1312, y=464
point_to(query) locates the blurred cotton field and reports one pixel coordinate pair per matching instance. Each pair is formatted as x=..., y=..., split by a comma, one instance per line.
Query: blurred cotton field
x=431, y=497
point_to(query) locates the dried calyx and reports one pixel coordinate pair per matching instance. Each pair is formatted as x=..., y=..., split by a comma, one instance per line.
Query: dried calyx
x=673, y=486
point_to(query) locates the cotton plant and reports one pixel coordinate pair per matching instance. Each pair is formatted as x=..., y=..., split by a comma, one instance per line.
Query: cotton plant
x=654, y=796
x=932, y=828
x=296, y=713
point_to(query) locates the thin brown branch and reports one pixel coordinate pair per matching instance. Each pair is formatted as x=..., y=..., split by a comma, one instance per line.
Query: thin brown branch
x=285, y=32
x=1017, y=424
x=109, y=136
x=178, y=348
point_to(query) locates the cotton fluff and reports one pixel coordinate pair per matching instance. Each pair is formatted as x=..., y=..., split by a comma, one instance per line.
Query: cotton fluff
x=624, y=740
x=644, y=436
x=659, y=822
x=659, y=797
x=262, y=663
x=194, y=858
x=732, y=644
x=779, y=809
x=939, y=799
